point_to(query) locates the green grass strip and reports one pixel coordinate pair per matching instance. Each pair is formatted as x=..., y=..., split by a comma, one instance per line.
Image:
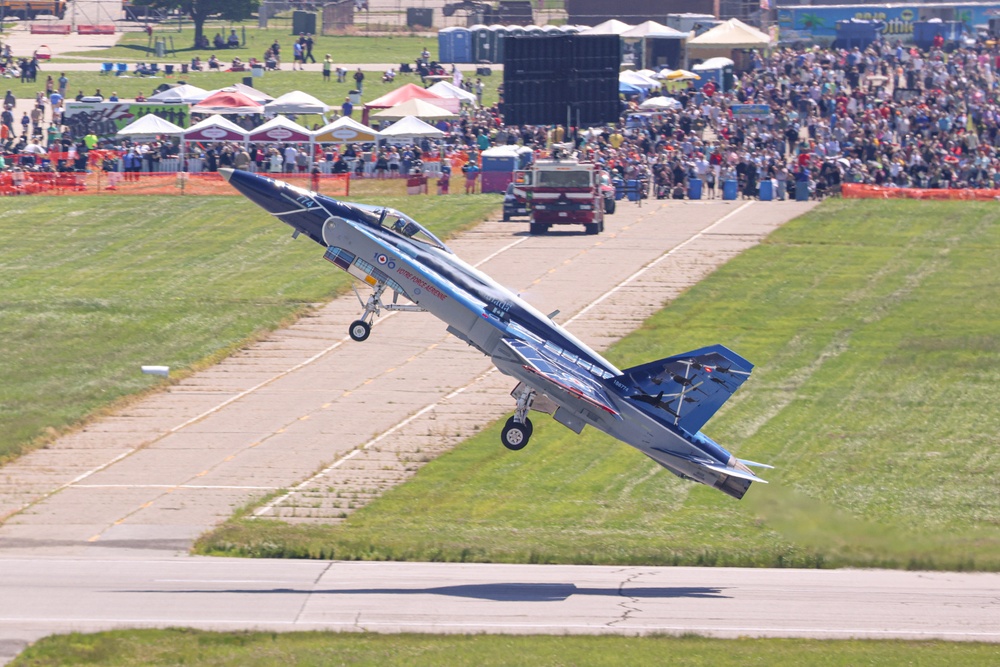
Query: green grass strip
x=305, y=649
x=874, y=329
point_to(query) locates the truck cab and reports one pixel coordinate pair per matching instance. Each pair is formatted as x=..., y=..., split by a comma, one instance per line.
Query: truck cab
x=564, y=192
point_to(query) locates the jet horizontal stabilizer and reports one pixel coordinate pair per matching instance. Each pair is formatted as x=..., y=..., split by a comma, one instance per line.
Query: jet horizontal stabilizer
x=687, y=389
x=754, y=464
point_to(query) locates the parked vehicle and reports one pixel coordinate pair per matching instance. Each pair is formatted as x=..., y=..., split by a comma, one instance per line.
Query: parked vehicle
x=563, y=191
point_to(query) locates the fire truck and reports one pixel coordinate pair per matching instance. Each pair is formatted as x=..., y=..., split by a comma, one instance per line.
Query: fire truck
x=563, y=191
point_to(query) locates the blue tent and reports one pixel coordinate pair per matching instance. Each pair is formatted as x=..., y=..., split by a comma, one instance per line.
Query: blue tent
x=629, y=89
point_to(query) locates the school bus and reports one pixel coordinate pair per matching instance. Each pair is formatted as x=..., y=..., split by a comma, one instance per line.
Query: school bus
x=29, y=9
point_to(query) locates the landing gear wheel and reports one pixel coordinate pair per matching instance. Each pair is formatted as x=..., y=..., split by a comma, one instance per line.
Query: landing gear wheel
x=515, y=434
x=360, y=330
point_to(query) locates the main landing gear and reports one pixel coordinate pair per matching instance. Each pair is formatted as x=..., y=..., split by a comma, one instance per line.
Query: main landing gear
x=361, y=328
x=517, y=431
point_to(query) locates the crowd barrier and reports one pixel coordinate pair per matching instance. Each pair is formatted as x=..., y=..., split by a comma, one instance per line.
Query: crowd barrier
x=861, y=191
x=50, y=29
x=182, y=183
x=95, y=29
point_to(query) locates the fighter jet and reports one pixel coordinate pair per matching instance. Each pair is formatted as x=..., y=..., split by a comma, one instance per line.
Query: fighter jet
x=658, y=407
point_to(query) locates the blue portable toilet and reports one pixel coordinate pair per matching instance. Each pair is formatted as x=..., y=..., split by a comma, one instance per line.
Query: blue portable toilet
x=446, y=45
x=729, y=190
x=499, y=165
x=924, y=33
x=857, y=32
x=533, y=31
x=694, y=188
x=462, y=45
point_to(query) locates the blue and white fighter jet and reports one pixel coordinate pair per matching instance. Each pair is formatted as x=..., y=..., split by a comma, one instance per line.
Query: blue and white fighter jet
x=658, y=407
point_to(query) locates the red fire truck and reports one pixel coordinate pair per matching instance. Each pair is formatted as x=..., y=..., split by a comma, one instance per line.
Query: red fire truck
x=563, y=191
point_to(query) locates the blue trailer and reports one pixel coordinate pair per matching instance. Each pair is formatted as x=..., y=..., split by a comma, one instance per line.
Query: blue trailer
x=818, y=23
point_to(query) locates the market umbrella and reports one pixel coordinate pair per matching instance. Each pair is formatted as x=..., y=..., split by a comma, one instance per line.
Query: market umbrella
x=682, y=75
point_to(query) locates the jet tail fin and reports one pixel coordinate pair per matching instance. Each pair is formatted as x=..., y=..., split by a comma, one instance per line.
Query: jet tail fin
x=687, y=389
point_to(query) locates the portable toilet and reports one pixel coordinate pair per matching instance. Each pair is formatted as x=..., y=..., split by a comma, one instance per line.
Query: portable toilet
x=515, y=31
x=533, y=31
x=718, y=70
x=446, y=45
x=570, y=29
x=552, y=29
x=481, y=50
x=924, y=33
x=857, y=33
x=462, y=46
x=497, y=35
x=499, y=164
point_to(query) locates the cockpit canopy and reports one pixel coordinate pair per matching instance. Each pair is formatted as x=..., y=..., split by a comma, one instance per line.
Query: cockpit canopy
x=392, y=220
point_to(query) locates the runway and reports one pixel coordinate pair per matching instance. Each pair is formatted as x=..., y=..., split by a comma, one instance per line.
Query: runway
x=60, y=595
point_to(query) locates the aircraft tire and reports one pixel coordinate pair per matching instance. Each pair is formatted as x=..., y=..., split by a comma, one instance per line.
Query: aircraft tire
x=360, y=330
x=515, y=436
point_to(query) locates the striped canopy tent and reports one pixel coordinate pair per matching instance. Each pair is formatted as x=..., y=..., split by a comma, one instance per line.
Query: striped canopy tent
x=344, y=130
x=280, y=129
x=215, y=128
x=446, y=89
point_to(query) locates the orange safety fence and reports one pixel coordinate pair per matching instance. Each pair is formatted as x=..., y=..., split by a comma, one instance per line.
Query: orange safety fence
x=180, y=183
x=861, y=191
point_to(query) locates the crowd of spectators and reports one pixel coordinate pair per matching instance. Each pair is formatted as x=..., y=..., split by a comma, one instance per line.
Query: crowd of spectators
x=887, y=115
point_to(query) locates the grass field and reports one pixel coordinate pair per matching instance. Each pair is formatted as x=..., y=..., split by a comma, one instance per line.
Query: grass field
x=874, y=329
x=133, y=46
x=94, y=287
x=190, y=647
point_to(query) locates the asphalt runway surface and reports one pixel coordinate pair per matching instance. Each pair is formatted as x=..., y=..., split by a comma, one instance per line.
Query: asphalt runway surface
x=95, y=529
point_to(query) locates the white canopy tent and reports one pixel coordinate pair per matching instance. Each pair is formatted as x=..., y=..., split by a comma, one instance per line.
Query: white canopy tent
x=609, y=27
x=182, y=94
x=638, y=80
x=446, y=89
x=411, y=127
x=150, y=126
x=725, y=37
x=414, y=107
x=296, y=102
x=660, y=104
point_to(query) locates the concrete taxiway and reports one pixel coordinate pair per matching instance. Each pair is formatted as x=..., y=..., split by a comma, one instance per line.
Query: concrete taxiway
x=43, y=596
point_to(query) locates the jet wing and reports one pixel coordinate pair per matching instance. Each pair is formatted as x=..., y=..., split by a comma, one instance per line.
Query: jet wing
x=689, y=388
x=563, y=374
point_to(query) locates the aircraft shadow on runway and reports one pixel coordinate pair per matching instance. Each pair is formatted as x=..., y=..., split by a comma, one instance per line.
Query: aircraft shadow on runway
x=500, y=592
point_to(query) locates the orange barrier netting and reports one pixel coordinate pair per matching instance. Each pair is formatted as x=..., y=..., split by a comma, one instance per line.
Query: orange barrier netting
x=102, y=182
x=860, y=191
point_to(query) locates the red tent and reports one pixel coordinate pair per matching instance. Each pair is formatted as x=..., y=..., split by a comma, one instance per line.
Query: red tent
x=227, y=102
x=408, y=92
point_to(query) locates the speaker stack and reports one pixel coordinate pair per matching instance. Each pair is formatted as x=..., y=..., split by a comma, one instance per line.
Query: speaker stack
x=557, y=79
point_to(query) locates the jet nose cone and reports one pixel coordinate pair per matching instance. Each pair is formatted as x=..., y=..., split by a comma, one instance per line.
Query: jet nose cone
x=226, y=172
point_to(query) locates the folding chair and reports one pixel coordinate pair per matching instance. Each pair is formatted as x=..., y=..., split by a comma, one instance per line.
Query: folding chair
x=168, y=71
x=121, y=68
x=107, y=68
